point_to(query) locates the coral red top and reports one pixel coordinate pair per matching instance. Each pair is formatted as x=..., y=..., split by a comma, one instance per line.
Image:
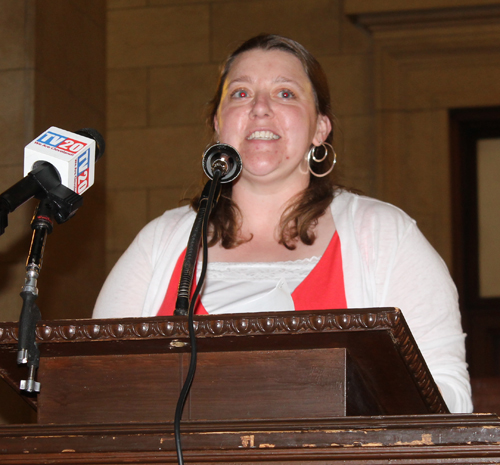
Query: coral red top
x=322, y=289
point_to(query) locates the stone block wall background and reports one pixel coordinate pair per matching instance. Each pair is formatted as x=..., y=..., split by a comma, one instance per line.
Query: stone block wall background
x=52, y=73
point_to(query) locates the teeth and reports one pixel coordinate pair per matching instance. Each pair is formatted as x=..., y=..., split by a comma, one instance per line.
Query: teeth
x=263, y=135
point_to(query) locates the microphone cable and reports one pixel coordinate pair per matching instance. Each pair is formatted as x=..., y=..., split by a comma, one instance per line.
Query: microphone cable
x=192, y=336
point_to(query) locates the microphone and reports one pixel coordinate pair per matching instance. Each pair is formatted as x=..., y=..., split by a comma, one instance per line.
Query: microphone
x=58, y=165
x=73, y=155
x=222, y=157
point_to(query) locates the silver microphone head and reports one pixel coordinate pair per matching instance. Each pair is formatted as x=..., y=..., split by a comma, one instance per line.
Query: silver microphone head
x=225, y=158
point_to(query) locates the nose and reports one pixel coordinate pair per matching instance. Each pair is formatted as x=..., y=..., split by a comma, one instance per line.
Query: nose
x=261, y=106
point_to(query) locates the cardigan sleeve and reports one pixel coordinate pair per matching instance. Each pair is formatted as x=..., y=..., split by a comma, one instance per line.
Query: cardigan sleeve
x=418, y=282
x=138, y=282
x=389, y=263
x=125, y=288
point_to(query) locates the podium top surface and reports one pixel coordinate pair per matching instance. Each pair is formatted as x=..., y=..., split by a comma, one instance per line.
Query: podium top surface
x=377, y=340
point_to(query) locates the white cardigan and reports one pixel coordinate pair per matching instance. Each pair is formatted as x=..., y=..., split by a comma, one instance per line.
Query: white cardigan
x=387, y=262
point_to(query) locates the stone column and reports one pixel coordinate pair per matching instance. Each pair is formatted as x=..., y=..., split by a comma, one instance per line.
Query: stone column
x=52, y=73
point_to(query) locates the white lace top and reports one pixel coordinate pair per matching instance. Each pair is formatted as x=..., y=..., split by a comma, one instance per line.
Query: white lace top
x=253, y=287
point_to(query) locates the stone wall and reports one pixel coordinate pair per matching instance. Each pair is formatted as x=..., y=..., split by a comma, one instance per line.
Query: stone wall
x=52, y=73
x=427, y=61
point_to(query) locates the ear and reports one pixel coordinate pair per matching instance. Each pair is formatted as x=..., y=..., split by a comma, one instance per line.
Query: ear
x=323, y=128
x=216, y=124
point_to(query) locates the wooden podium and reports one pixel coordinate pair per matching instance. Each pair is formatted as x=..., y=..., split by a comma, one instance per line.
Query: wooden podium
x=339, y=386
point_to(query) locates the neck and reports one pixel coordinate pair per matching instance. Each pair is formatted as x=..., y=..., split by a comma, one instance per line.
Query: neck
x=262, y=207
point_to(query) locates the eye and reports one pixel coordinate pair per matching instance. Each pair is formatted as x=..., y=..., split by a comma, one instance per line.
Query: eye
x=240, y=93
x=286, y=94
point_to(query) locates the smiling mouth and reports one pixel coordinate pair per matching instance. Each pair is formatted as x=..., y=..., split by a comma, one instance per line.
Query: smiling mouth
x=263, y=135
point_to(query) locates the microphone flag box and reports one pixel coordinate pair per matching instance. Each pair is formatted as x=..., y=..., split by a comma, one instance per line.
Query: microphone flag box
x=71, y=154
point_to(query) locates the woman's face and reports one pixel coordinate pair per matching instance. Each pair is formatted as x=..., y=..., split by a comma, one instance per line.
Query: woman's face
x=268, y=113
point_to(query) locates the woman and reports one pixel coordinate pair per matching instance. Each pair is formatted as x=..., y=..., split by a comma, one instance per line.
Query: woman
x=282, y=236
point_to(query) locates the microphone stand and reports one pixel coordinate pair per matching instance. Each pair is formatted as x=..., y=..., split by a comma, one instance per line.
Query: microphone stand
x=28, y=352
x=193, y=246
x=222, y=163
x=60, y=204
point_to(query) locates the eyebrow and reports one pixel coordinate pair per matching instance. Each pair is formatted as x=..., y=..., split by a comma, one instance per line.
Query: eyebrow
x=243, y=78
x=279, y=79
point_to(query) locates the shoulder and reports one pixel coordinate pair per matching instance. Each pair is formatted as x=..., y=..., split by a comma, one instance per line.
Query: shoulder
x=169, y=221
x=173, y=225
x=368, y=214
x=174, y=216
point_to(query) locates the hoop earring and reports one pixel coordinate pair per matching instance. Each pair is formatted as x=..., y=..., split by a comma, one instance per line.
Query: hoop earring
x=311, y=155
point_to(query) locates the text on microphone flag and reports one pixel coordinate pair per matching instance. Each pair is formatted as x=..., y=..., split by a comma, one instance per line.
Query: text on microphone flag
x=82, y=172
x=61, y=142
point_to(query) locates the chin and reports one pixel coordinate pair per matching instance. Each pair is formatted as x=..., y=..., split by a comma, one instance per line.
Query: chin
x=260, y=171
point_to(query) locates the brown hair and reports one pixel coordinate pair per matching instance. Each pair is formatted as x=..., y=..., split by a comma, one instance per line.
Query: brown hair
x=303, y=211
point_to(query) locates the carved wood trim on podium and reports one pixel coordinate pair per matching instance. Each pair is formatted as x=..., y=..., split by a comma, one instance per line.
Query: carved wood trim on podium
x=292, y=365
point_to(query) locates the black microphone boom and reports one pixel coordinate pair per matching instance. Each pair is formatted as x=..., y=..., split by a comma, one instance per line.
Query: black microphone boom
x=222, y=164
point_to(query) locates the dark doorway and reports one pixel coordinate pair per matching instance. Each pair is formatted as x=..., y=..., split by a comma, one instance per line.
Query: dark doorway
x=475, y=155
